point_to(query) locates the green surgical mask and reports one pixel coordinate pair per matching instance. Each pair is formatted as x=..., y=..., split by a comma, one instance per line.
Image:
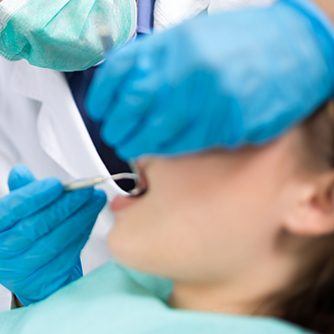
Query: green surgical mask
x=63, y=34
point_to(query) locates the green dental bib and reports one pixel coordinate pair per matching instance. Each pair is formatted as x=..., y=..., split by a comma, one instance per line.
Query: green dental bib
x=114, y=300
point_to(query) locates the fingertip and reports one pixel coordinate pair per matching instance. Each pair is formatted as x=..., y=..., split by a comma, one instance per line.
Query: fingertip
x=19, y=176
x=94, y=112
x=100, y=197
x=99, y=200
x=107, y=136
x=21, y=169
x=95, y=100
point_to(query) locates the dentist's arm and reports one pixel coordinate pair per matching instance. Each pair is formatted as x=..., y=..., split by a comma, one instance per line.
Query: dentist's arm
x=42, y=232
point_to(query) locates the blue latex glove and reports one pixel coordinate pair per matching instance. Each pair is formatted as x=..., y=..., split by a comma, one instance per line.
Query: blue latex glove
x=42, y=232
x=228, y=80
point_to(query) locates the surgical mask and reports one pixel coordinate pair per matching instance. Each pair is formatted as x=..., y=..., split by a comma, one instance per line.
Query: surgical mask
x=63, y=34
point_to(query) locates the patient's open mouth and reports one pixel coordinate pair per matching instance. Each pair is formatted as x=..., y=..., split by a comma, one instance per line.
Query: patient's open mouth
x=121, y=202
x=142, y=184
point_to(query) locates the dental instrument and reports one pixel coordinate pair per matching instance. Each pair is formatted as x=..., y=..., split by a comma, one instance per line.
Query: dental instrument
x=94, y=181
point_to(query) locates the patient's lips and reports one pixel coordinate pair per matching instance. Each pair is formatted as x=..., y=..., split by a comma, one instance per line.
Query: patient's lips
x=119, y=203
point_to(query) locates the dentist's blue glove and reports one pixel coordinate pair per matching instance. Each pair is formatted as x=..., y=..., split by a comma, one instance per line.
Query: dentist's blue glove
x=228, y=80
x=42, y=232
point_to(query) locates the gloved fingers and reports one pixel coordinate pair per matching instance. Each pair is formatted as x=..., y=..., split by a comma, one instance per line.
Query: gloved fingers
x=77, y=226
x=26, y=201
x=169, y=121
x=182, y=142
x=19, y=177
x=162, y=121
x=133, y=106
x=221, y=128
x=176, y=126
x=53, y=261
x=53, y=275
x=27, y=231
x=108, y=79
x=56, y=273
x=140, y=143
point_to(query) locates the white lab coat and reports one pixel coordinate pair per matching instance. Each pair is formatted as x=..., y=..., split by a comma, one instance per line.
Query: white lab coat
x=40, y=126
x=171, y=12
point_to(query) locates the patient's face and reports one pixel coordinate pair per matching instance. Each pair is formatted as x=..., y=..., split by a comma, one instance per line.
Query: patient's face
x=209, y=215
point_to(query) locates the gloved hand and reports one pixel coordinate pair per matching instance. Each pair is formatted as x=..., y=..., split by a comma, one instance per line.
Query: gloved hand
x=222, y=81
x=42, y=232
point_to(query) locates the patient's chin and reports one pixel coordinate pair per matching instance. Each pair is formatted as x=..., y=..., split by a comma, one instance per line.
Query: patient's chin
x=130, y=251
x=121, y=246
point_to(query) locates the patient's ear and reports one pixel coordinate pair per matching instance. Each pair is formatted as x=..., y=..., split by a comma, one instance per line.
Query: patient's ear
x=313, y=212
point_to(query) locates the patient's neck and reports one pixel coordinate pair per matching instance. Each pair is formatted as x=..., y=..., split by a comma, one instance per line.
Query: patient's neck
x=217, y=299
x=208, y=299
x=243, y=294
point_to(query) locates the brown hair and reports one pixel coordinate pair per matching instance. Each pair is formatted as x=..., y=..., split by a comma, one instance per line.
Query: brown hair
x=309, y=301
